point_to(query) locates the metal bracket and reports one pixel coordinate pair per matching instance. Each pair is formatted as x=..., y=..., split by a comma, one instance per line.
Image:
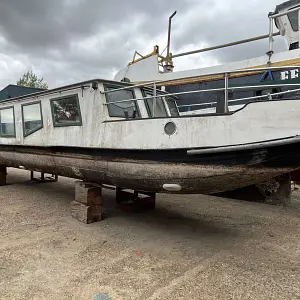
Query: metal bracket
x=266, y=74
x=43, y=179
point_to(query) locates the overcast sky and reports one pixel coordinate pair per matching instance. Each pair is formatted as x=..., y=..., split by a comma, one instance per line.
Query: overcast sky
x=66, y=41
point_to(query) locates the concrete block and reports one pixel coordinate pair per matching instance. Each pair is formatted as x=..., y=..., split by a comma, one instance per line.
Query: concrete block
x=86, y=214
x=87, y=193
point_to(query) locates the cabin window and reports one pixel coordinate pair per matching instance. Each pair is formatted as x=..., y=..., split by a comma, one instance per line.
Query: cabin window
x=293, y=18
x=66, y=111
x=128, y=110
x=7, y=122
x=32, y=118
x=160, y=110
x=172, y=106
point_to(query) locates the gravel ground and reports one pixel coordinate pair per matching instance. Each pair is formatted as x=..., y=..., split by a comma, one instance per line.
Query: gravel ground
x=190, y=247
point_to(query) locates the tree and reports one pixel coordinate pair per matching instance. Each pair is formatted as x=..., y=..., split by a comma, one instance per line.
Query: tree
x=31, y=80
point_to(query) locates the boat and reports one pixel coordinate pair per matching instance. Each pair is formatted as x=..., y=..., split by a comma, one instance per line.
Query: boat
x=131, y=132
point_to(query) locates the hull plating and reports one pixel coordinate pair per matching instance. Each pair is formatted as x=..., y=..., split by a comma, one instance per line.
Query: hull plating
x=143, y=175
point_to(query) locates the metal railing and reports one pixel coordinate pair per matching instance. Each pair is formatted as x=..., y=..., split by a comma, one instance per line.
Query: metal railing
x=270, y=36
x=226, y=88
x=240, y=42
x=269, y=96
x=225, y=75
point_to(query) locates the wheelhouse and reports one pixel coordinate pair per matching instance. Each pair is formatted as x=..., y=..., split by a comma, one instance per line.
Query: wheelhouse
x=138, y=101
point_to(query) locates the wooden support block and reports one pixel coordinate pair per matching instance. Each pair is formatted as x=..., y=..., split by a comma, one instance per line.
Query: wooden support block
x=87, y=193
x=86, y=214
x=87, y=206
x=3, y=173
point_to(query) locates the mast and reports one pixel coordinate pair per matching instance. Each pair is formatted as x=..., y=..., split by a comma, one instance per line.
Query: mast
x=168, y=67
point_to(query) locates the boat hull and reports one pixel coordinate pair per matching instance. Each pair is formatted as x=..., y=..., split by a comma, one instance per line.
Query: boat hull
x=150, y=171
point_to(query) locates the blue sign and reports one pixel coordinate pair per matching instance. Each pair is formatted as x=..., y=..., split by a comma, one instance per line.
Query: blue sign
x=266, y=74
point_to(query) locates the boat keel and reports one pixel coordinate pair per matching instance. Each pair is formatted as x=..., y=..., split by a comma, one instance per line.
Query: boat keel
x=276, y=191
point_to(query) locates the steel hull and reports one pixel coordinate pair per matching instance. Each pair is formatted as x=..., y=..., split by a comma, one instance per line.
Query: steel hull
x=150, y=175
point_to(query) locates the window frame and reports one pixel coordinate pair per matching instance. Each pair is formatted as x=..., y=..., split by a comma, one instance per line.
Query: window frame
x=144, y=93
x=70, y=123
x=107, y=86
x=172, y=98
x=23, y=123
x=290, y=19
x=8, y=135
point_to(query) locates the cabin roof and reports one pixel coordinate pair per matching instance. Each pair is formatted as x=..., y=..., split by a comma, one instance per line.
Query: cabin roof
x=41, y=92
x=287, y=4
x=12, y=91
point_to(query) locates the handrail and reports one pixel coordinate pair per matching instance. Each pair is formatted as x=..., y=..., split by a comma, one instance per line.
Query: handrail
x=226, y=87
x=253, y=39
x=145, y=84
x=205, y=91
x=241, y=99
x=274, y=16
x=270, y=35
x=264, y=96
x=226, y=74
x=165, y=95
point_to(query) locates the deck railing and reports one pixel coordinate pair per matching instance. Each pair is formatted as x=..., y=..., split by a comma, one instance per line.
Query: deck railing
x=270, y=36
x=226, y=88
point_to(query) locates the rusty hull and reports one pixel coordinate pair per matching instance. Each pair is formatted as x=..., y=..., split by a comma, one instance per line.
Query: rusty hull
x=141, y=175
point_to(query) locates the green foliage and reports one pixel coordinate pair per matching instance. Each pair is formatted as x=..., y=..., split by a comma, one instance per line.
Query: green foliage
x=30, y=79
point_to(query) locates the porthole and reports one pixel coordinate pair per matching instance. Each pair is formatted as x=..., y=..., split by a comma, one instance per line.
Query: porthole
x=170, y=128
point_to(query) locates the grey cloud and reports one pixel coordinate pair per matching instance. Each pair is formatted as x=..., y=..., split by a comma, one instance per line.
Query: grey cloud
x=36, y=23
x=70, y=40
x=235, y=22
x=48, y=32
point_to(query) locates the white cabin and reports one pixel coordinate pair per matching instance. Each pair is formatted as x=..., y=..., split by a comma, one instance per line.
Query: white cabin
x=288, y=22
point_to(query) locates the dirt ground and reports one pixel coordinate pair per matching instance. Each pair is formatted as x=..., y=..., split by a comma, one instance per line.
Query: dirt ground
x=190, y=247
